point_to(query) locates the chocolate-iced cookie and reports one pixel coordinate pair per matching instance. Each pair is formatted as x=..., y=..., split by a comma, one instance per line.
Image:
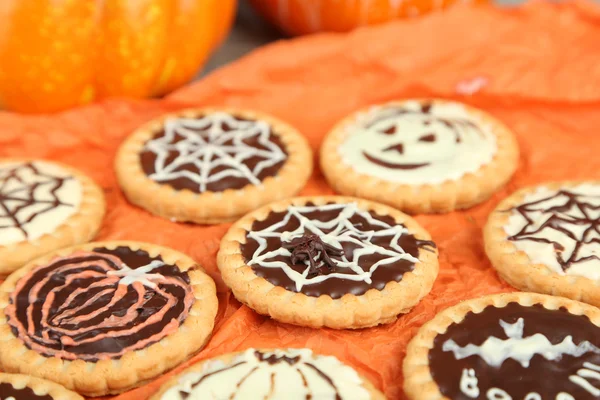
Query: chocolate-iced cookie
x=282, y=374
x=105, y=317
x=421, y=156
x=44, y=206
x=510, y=346
x=328, y=261
x=212, y=165
x=546, y=239
x=23, y=387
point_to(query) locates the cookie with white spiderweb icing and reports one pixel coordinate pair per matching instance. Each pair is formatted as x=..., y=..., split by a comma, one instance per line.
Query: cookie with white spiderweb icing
x=422, y=155
x=105, y=317
x=546, y=239
x=212, y=165
x=44, y=206
x=23, y=387
x=279, y=374
x=507, y=346
x=330, y=261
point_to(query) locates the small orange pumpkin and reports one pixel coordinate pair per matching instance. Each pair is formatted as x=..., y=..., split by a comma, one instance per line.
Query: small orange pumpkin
x=299, y=17
x=56, y=54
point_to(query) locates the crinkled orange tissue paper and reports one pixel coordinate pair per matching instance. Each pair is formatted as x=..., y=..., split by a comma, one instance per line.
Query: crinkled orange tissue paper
x=536, y=67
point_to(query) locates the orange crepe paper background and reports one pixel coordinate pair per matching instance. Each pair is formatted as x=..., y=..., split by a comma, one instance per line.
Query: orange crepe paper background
x=537, y=68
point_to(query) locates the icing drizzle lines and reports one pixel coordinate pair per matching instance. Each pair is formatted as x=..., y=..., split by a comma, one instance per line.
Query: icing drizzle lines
x=212, y=149
x=92, y=306
x=335, y=233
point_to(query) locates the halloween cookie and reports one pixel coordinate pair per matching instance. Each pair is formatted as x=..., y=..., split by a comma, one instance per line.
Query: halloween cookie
x=331, y=261
x=521, y=346
x=44, y=206
x=547, y=239
x=104, y=317
x=421, y=156
x=23, y=387
x=212, y=165
x=286, y=374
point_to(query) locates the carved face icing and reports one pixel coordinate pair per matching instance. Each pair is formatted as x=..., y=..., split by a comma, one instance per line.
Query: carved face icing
x=35, y=199
x=418, y=143
x=518, y=352
x=214, y=152
x=294, y=374
x=560, y=229
x=99, y=305
x=331, y=249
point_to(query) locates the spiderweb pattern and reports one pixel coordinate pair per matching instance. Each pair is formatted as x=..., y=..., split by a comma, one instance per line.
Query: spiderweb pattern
x=217, y=146
x=27, y=192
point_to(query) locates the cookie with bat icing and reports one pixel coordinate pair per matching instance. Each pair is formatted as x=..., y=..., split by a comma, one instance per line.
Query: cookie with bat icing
x=420, y=156
x=23, y=387
x=44, y=206
x=281, y=374
x=331, y=261
x=546, y=239
x=104, y=317
x=523, y=346
x=212, y=165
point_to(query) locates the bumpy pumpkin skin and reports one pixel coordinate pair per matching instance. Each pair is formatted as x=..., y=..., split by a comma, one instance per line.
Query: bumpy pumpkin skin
x=300, y=17
x=57, y=54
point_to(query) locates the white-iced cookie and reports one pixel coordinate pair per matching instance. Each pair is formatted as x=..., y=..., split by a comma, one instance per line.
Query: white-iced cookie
x=44, y=206
x=287, y=374
x=420, y=155
x=547, y=239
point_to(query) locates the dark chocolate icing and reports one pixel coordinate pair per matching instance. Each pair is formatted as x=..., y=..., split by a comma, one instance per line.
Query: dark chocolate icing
x=335, y=287
x=575, y=211
x=148, y=159
x=545, y=377
x=90, y=315
x=14, y=202
x=7, y=390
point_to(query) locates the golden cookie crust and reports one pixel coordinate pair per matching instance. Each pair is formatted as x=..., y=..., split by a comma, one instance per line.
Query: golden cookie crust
x=40, y=387
x=79, y=228
x=515, y=266
x=470, y=190
x=211, y=207
x=418, y=382
x=373, y=308
x=227, y=358
x=134, y=368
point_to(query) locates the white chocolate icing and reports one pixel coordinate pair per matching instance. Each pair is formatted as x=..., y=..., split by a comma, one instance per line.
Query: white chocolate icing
x=532, y=228
x=35, y=199
x=445, y=143
x=204, y=143
x=141, y=274
x=343, y=231
x=296, y=377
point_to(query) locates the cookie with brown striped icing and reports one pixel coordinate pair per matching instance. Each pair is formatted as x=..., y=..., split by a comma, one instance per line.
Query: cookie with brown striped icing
x=105, y=317
x=420, y=155
x=212, y=165
x=339, y=262
x=44, y=206
x=280, y=374
x=23, y=387
x=546, y=239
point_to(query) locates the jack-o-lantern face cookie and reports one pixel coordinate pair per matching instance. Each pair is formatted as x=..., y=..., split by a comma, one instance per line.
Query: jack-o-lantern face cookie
x=420, y=155
x=328, y=261
x=94, y=318
x=44, y=206
x=282, y=374
x=546, y=239
x=512, y=346
x=23, y=387
x=210, y=165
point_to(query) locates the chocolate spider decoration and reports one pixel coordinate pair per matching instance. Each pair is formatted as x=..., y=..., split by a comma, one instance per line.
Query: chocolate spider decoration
x=308, y=247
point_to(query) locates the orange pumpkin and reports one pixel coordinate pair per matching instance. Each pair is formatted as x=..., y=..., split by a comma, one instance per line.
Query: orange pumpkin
x=299, y=17
x=56, y=54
